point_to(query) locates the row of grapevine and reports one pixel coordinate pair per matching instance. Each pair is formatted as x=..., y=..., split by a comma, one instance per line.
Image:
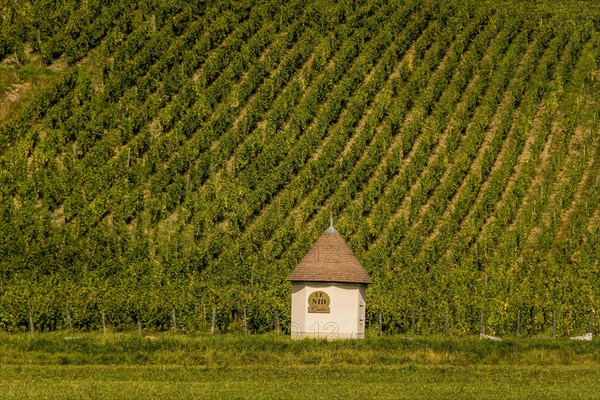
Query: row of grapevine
x=189, y=154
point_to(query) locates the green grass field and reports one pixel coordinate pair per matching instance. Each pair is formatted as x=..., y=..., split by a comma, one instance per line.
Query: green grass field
x=266, y=366
x=300, y=382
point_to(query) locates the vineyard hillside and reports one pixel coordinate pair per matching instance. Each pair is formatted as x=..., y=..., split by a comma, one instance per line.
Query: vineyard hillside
x=170, y=162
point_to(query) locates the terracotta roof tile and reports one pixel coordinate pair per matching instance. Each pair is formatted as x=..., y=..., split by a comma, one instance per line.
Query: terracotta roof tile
x=330, y=260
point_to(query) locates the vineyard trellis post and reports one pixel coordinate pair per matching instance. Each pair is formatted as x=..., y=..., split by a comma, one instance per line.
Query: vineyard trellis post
x=245, y=322
x=139, y=322
x=202, y=315
x=174, y=319
x=518, y=324
x=69, y=321
x=214, y=318
x=39, y=42
x=280, y=17
x=103, y=317
x=31, y=326
x=446, y=326
x=482, y=323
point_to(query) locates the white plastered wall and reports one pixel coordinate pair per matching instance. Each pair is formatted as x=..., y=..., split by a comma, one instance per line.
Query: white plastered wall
x=346, y=319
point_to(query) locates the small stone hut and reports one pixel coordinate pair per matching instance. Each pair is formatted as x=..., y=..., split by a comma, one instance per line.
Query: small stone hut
x=329, y=291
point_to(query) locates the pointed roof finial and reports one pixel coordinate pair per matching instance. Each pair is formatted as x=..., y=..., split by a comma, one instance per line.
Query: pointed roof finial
x=331, y=228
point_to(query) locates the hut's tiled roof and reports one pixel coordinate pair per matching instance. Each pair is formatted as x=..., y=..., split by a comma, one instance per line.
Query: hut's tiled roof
x=330, y=260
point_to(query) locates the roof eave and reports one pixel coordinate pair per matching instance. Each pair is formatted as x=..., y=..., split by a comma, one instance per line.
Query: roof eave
x=363, y=282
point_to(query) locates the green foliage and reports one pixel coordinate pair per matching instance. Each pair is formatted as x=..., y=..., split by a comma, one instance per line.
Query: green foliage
x=182, y=157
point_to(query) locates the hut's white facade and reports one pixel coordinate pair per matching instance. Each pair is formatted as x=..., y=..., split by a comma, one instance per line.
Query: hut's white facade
x=329, y=291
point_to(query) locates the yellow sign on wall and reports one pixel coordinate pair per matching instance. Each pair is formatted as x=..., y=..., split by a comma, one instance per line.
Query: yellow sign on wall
x=318, y=302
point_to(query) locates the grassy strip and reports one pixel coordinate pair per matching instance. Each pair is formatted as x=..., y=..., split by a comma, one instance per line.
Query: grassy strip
x=63, y=365
x=60, y=348
x=291, y=382
x=10, y=76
